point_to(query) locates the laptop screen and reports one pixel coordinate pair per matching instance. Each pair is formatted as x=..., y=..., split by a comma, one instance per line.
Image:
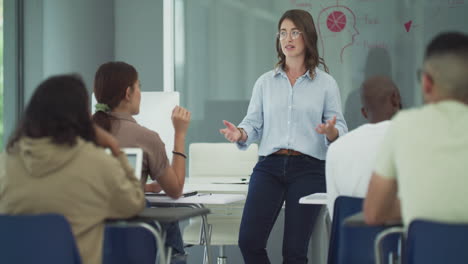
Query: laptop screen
x=135, y=159
x=132, y=159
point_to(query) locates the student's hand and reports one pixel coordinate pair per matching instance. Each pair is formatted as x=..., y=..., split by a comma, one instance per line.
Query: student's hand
x=106, y=140
x=180, y=120
x=328, y=129
x=231, y=132
x=153, y=187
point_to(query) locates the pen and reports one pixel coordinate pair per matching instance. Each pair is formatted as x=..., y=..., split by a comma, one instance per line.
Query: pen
x=203, y=194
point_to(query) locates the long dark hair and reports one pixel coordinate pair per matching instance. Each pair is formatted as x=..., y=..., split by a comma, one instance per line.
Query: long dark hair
x=305, y=23
x=58, y=109
x=110, y=85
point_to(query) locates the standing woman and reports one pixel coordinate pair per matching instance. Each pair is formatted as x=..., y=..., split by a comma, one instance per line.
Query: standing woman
x=296, y=111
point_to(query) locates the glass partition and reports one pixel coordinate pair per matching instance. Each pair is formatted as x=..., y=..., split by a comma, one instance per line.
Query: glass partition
x=223, y=46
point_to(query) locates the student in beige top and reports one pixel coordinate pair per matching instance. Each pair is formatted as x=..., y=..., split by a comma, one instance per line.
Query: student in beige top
x=117, y=90
x=53, y=165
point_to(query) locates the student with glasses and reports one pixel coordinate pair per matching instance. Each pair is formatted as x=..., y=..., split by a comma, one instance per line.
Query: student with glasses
x=295, y=110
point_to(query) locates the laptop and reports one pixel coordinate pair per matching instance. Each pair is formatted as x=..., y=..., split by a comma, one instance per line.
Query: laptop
x=135, y=159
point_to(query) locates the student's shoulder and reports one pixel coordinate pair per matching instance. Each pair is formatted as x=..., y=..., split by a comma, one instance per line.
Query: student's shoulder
x=405, y=118
x=354, y=138
x=140, y=132
x=94, y=155
x=345, y=141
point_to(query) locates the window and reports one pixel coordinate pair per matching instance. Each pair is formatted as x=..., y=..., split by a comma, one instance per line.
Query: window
x=1, y=74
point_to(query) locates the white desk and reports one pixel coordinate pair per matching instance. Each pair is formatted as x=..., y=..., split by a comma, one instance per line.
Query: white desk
x=321, y=233
x=201, y=198
x=214, y=187
x=219, y=184
x=315, y=198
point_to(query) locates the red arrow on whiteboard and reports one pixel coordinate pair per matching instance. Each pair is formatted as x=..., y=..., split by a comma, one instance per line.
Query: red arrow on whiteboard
x=408, y=25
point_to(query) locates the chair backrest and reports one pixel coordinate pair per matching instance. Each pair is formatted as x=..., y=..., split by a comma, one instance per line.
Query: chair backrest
x=221, y=160
x=435, y=242
x=344, y=206
x=124, y=245
x=43, y=238
x=354, y=245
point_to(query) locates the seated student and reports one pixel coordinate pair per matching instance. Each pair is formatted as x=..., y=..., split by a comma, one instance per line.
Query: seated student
x=53, y=165
x=351, y=158
x=423, y=157
x=117, y=90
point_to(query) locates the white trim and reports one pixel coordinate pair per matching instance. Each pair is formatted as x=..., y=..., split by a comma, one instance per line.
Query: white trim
x=168, y=45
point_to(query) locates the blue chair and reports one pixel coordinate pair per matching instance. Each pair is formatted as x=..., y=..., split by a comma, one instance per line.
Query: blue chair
x=354, y=244
x=128, y=245
x=45, y=238
x=434, y=242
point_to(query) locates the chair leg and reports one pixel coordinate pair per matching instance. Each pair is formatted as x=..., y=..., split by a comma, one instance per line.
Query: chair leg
x=222, y=259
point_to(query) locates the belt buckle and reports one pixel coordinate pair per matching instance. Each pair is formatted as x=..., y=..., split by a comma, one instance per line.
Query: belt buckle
x=290, y=151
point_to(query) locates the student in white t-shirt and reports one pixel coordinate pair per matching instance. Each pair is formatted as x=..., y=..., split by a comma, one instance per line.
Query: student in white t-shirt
x=351, y=158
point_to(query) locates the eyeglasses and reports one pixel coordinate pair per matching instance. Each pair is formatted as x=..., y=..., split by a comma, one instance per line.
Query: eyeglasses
x=284, y=34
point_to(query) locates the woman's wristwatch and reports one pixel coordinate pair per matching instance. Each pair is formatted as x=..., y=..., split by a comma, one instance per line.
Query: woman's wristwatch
x=242, y=131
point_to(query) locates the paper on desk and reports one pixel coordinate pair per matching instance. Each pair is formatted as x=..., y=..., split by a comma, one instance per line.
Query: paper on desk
x=232, y=181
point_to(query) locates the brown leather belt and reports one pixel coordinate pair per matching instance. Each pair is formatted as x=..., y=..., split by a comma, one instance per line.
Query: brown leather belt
x=289, y=152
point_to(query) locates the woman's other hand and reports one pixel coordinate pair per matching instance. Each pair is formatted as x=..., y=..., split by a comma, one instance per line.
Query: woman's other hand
x=328, y=129
x=231, y=132
x=106, y=140
x=153, y=187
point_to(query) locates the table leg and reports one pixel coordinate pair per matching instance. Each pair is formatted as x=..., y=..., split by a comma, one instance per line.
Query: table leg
x=207, y=235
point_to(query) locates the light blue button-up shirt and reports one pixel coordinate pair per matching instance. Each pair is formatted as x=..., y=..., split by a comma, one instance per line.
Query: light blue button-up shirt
x=285, y=116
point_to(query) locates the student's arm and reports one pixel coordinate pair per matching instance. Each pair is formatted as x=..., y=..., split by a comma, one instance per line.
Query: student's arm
x=127, y=197
x=106, y=140
x=172, y=181
x=154, y=187
x=381, y=204
x=331, y=177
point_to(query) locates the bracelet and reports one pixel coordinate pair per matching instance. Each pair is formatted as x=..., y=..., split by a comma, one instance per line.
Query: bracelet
x=241, y=130
x=180, y=154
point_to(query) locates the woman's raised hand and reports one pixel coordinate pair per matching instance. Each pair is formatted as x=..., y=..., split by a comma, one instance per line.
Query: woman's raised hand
x=180, y=120
x=231, y=132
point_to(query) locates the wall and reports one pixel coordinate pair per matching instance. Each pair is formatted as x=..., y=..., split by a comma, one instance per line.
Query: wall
x=78, y=36
x=60, y=36
x=138, y=39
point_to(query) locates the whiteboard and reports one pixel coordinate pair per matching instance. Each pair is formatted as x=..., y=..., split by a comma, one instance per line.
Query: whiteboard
x=155, y=114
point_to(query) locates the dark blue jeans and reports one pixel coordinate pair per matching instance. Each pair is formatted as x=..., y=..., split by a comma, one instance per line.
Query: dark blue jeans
x=277, y=179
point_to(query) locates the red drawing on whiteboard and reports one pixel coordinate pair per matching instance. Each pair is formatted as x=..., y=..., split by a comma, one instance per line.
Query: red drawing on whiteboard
x=336, y=21
x=408, y=25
